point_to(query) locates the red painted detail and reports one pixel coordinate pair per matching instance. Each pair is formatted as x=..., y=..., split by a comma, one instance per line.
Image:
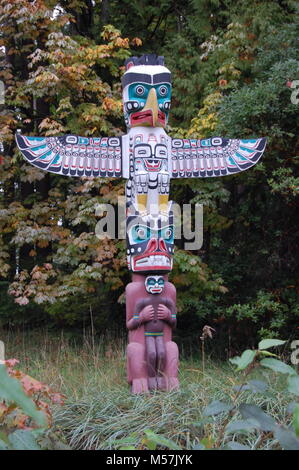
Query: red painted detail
x=162, y=245
x=153, y=166
x=146, y=118
x=151, y=250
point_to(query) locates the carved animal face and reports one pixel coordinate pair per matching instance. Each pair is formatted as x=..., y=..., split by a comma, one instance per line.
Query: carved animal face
x=146, y=95
x=150, y=240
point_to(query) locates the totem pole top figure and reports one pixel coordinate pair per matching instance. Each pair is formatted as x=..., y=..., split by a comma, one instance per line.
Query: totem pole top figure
x=146, y=92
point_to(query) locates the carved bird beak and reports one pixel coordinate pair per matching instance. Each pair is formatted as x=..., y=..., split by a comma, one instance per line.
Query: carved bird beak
x=152, y=104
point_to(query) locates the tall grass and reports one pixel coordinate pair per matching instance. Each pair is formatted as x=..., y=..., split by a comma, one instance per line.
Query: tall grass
x=104, y=416
x=99, y=410
x=68, y=364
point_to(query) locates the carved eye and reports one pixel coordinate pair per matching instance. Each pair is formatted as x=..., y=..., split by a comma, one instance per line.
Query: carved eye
x=142, y=150
x=160, y=151
x=141, y=233
x=140, y=90
x=163, y=90
x=167, y=234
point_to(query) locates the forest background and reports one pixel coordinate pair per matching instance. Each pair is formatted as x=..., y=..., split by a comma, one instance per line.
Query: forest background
x=235, y=70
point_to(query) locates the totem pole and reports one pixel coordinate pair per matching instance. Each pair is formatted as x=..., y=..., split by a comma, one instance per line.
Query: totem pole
x=148, y=158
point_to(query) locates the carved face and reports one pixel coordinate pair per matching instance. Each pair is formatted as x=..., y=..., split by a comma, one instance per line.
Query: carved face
x=150, y=240
x=154, y=284
x=146, y=95
x=150, y=157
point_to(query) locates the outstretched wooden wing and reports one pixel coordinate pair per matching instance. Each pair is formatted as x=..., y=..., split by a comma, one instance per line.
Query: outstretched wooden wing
x=72, y=155
x=205, y=158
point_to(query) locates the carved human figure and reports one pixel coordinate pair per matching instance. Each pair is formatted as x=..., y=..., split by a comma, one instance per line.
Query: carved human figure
x=151, y=316
x=156, y=312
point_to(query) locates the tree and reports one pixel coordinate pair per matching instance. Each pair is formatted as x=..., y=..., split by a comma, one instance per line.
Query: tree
x=233, y=64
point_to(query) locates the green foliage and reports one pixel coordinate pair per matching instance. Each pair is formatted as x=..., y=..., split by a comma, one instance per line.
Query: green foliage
x=58, y=81
x=232, y=64
x=243, y=361
x=216, y=407
x=21, y=440
x=259, y=309
x=221, y=408
x=149, y=441
x=12, y=394
x=269, y=343
x=25, y=415
x=254, y=418
x=295, y=420
x=293, y=385
x=12, y=391
x=278, y=366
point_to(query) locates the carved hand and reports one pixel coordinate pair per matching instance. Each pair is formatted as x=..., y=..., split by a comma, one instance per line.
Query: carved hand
x=163, y=312
x=147, y=314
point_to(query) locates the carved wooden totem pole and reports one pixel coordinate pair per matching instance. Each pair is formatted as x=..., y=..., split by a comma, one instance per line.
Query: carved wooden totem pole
x=148, y=158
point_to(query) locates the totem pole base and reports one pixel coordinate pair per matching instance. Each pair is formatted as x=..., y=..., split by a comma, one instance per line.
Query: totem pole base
x=152, y=356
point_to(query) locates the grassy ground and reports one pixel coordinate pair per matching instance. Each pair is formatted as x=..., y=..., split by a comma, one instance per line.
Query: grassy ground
x=100, y=412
